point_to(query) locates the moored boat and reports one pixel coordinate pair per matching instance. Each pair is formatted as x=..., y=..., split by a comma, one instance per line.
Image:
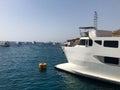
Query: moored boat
x=4, y=43
x=96, y=56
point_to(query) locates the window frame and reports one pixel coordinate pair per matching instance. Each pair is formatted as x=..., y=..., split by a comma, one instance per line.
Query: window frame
x=111, y=44
x=86, y=42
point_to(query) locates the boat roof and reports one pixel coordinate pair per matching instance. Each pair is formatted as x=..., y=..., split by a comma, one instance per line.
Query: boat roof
x=90, y=27
x=102, y=38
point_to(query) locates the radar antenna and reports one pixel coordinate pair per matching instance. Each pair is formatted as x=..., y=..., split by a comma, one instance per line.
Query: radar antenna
x=95, y=20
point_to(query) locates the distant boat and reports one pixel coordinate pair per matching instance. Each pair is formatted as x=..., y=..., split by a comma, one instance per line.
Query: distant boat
x=49, y=43
x=18, y=43
x=34, y=42
x=4, y=43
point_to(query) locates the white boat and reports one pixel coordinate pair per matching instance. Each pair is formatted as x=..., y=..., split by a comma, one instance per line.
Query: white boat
x=18, y=43
x=34, y=42
x=97, y=56
x=4, y=43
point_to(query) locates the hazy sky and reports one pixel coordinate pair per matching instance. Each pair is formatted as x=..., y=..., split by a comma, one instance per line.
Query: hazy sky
x=54, y=20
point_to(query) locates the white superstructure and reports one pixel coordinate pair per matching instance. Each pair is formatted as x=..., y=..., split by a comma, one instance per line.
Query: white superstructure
x=97, y=56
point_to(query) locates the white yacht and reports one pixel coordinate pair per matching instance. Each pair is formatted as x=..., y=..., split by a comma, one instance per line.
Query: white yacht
x=4, y=43
x=97, y=56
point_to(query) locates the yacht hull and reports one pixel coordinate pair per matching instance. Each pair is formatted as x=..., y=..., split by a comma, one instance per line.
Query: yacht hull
x=88, y=61
x=77, y=70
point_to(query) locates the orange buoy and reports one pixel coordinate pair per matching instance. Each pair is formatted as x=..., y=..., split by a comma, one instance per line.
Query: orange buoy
x=43, y=66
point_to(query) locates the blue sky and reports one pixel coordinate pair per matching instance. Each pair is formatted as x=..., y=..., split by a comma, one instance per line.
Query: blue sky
x=54, y=20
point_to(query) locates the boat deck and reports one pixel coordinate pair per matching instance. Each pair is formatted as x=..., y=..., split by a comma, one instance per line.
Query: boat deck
x=72, y=68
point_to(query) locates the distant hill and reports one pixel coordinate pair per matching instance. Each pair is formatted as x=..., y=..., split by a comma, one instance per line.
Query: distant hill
x=116, y=33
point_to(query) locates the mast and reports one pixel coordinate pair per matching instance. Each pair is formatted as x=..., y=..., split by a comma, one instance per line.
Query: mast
x=95, y=20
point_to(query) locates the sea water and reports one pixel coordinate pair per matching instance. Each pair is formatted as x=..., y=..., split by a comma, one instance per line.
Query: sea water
x=19, y=70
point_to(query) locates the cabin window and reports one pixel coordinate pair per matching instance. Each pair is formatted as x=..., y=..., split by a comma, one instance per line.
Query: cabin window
x=86, y=42
x=113, y=44
x=90, y=42
x=82, y=42
x=98, y=42
x=111, y=60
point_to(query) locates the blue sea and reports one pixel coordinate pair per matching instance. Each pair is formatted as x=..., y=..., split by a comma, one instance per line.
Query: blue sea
x=19, y=70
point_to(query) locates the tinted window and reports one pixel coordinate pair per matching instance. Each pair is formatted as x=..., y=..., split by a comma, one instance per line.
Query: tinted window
x=111, y=44
x=111, y=60
x=98, y=42
x=86, y=42
x=82, y=42
x=90, y=42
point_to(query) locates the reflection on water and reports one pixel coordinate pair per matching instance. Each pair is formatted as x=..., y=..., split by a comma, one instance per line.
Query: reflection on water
x=75, y=82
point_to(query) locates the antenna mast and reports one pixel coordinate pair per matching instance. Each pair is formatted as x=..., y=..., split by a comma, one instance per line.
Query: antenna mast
x=95, y=20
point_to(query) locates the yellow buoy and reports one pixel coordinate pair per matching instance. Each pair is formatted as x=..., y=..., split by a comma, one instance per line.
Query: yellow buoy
x=43, y=66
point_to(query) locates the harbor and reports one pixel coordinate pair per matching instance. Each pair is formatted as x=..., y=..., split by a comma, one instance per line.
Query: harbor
x=19, y=70
x=59, y=45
